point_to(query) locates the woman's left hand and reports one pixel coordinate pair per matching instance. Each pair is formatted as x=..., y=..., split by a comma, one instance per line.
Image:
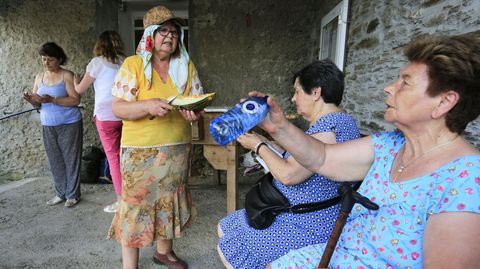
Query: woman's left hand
x=47, y=99
x=250, y=140
x=32, y=99
x=35, y=98
x=190, y=115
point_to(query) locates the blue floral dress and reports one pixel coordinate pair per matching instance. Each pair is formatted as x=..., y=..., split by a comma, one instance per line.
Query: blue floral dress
x=392, y=236
x=246, y=247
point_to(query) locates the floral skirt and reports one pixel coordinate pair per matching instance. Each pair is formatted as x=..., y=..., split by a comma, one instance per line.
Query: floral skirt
x=156, y=203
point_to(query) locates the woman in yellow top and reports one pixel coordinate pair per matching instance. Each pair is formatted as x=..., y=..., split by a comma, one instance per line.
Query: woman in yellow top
x=155, y=204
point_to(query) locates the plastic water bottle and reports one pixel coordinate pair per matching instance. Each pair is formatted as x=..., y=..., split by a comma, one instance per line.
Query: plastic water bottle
x=239, y=119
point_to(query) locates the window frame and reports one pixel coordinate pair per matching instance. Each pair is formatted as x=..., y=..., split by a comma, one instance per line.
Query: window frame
x=340, y=11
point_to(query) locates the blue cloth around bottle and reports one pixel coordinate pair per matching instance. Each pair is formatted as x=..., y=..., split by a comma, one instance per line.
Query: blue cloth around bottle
x=238, y=120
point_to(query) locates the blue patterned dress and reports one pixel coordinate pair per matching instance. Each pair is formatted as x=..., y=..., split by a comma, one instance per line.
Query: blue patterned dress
x=246, y=247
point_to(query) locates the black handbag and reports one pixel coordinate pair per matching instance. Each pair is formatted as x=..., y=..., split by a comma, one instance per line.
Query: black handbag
x=264, y=202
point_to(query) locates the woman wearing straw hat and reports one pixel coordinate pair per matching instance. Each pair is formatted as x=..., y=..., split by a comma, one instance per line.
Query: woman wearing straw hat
x=156, y=205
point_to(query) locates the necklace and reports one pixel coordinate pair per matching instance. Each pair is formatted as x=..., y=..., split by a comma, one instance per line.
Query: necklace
x=402, y=167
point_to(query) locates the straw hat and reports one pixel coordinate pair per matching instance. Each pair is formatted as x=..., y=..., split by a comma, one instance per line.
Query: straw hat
x=159, y=15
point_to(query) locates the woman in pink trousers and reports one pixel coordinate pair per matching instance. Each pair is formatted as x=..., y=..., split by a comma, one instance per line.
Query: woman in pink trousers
x=100, y=72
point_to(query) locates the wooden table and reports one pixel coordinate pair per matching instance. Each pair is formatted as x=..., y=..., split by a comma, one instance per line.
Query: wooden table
x=220, y=157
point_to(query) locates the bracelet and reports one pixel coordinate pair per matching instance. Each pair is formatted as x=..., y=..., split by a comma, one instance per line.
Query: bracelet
x=258, y=146
x=54, y=100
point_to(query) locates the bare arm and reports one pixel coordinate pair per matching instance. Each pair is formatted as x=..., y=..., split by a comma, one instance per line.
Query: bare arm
x=32, y=97
x=452, y=240
x=139, y=109
x=342, y=162
x=72, y=98
x=35, y=83
x=288, y=171
x=348, y=161
x=82, y=86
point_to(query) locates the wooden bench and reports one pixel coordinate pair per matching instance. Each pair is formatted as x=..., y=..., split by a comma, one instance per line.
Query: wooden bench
x=220, y=157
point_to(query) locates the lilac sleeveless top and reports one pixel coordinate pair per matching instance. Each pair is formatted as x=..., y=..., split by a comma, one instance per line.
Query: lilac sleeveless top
x=54, y=115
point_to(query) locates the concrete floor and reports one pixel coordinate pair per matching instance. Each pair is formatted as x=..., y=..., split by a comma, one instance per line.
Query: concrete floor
x=34, y=235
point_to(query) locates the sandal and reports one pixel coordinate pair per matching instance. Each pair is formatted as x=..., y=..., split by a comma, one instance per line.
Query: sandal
x=163, y=259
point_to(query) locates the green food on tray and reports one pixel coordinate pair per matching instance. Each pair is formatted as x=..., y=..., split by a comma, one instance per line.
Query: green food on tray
x=194, y=102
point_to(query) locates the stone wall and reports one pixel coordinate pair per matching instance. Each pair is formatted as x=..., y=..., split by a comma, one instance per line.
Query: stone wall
x=378, y=32
x=24, y=27
x=237, y=46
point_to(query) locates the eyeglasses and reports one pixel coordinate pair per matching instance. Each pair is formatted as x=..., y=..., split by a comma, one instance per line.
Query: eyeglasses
x=166, y=31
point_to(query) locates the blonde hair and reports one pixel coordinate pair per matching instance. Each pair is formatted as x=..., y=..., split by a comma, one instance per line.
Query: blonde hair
x=109, y=45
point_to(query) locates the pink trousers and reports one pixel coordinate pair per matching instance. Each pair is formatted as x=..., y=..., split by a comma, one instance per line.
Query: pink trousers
x=110, y=134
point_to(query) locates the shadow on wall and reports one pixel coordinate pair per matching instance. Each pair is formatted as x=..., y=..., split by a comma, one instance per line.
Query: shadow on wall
x=7, y=6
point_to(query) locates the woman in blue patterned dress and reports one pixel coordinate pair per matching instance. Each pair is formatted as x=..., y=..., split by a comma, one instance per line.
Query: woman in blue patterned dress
x=425, y=177
x=318, y=93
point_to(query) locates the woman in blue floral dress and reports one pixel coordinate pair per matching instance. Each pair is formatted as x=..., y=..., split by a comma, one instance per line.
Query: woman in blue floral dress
x=425, y=177
x=318, y=93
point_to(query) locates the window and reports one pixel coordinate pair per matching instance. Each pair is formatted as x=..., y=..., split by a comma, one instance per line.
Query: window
x=138, y=31
x=333, y=34
x=185, y=33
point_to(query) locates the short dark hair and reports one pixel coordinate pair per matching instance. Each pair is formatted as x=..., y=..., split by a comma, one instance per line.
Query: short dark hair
x=324, y=74
x=51, y=49
x=453, y=63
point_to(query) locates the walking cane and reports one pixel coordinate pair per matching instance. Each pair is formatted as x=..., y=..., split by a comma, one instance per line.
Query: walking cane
x=28, y=110
x=19, y=113
x=349, y=198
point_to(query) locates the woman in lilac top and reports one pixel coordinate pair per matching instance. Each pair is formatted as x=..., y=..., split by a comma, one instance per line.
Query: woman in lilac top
x=62, y=123
x=425, y=177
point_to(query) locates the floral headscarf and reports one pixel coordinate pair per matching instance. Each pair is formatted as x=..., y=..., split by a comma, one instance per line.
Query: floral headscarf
x=178, y=69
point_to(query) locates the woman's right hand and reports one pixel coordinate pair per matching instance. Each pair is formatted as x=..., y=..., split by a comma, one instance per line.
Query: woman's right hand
x=76, y=79
x=33, y=99
x=158, y=107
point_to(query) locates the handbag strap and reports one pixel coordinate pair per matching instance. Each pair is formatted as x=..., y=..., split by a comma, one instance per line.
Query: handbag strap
x=310, y=207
